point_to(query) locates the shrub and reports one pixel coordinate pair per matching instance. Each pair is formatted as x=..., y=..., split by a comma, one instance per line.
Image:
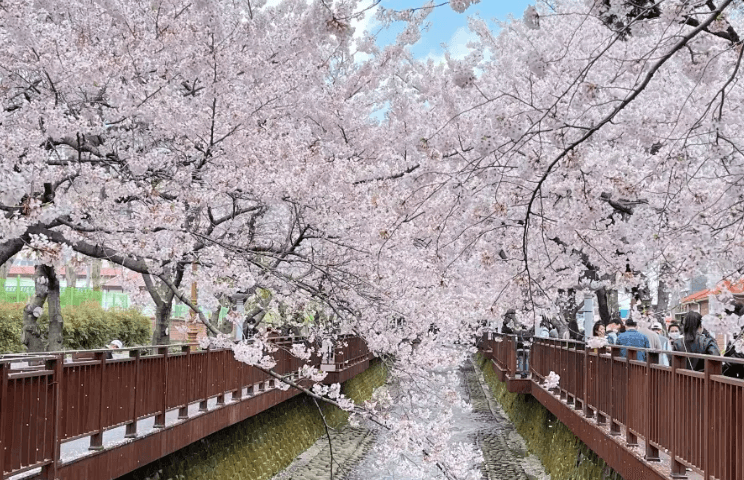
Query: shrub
x=11, y=326
x=86, y=326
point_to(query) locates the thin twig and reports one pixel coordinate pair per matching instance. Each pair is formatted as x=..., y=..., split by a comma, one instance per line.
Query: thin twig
x=328, y=434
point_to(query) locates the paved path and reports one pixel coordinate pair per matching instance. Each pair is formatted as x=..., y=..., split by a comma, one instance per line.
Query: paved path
x=350, y=444
x=504, y=451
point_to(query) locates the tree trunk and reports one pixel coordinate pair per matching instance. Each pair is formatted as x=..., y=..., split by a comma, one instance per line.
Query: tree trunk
x=603, y=305
x=5, y=269
x=10, y=248
x=662, y=304
x=54, y=338
x=163, y=298
x=214, y=319
x=31, y=336
x=568, y=310
x=161, y=333
x=95, y=274
x=70, y=275
x=613, y=304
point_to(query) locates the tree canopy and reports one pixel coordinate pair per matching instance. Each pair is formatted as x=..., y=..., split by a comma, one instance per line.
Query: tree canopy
x=276, y=147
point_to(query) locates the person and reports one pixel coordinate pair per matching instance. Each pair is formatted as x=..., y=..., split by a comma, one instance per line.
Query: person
x=598, y=330
x=694, y=341
x=543, y=331
x=113, y=345
x=659, y=330
x=573, y=332
x=612, y=330
x=631, y=337
x=730, y=369
x=508, y=326
x=675, y=331
x=653, y=338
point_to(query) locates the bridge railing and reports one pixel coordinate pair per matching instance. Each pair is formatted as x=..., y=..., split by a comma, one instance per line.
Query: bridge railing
x=696, y=417
x=502, y=350
x=46, y=400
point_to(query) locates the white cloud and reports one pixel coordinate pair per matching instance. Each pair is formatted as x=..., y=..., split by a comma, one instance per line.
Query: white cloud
x=457, y=45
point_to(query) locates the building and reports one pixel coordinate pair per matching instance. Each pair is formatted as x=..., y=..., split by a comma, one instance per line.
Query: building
x=701, y=301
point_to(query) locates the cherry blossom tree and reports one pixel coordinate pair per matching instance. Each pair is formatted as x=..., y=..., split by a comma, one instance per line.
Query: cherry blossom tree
x=246, y=139
x=589, y=136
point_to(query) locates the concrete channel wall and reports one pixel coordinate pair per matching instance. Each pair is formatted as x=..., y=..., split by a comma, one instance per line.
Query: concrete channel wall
x=262, y=445
x=562, y=454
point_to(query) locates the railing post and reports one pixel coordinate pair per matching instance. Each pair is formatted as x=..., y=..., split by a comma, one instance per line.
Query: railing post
x=677, y=469
x=614, y=425
x=96, y=440
x=630, y=438
x=131, y=429
x=49, y=471
x=205, y=374
x=578, y=402
x=600, y=417
x=221, y=396
x=587, y=362
x=160, y=417
x=652, y=453
x=237, y=395
x=4, y=443
x=561, y=369
x=183, y=412
x=712, y=367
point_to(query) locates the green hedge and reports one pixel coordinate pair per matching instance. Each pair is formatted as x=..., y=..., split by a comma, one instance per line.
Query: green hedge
x=86, y=326
x=11, y=325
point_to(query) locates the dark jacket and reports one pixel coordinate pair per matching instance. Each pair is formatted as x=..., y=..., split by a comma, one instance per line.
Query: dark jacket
x=703, y=344
x=735, y=370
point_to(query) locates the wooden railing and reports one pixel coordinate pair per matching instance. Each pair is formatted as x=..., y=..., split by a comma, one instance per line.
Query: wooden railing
x=694, y=418
x=46, y=400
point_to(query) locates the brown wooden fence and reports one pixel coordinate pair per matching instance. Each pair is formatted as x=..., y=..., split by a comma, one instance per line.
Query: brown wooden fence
x=46, y=400
x=696, y=418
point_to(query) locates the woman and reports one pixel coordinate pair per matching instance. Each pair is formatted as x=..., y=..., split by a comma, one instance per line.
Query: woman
x=674, y=331
x=598, y=330
x=694, y=341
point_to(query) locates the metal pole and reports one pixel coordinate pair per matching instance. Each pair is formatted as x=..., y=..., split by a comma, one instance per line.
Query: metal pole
x=588, y=315
x=240, y=307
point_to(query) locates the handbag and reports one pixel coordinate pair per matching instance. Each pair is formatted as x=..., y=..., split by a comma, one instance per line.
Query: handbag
x=684, y=344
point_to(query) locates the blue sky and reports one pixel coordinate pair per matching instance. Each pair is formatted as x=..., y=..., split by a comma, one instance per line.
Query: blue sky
x=450, y=27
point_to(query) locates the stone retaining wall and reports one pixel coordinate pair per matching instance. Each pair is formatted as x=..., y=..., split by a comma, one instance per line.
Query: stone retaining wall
x=563, y=455
x=263, y=445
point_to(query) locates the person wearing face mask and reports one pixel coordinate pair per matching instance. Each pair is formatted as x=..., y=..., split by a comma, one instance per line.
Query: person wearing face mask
x=675, y=331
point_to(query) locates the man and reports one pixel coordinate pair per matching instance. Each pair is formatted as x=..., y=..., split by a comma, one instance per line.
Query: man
x=633, y=338
x=658, y=330
x=653, y=337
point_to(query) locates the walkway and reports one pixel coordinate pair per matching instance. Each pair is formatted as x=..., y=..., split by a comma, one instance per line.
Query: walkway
x=504, y=451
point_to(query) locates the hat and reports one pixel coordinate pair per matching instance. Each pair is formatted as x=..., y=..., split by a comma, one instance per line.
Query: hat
x=630, y=322
x=116, y=343
x=656, y=326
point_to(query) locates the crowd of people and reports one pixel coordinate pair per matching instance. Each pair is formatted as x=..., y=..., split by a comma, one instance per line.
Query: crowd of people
x=689, y=336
